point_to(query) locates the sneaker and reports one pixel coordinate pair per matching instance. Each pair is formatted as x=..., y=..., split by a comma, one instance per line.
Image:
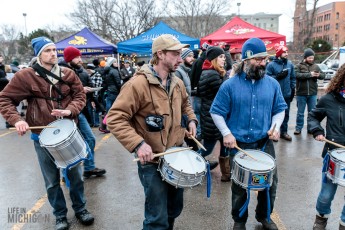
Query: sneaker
x=239, y=226
x=320, y=223
x=103, y=130
x=61, y=224
x=94, y=172
x=286, y=136
x=267, y=226
x=85, y=217
x=297, y=132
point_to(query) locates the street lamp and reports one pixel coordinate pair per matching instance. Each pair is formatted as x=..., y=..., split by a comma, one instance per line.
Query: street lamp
x=238, y=10
x=26, y=31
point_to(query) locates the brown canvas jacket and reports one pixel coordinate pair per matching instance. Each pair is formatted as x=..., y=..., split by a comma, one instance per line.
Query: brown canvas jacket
x=141, y=96
x=27, y=84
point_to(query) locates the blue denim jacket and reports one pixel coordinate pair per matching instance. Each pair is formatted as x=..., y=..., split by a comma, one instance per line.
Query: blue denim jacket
x=248, y=107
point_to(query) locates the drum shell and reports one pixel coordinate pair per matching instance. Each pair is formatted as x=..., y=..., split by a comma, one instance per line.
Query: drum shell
x=336, y=166
x=258, y=180
x=176, y=176
x=67, y=151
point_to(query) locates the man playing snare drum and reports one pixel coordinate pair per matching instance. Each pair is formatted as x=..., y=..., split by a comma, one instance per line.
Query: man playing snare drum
x=246, y=108
x=147, y=118
x=55, y=92
x=332, y=107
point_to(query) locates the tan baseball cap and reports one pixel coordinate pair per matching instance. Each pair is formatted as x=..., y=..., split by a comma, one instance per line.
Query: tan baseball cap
x=167, y=42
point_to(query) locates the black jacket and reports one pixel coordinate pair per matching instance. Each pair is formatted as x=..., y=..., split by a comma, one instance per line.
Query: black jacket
x=208, y=87
x=112, y=80
x=195, y=73
x=306, y=85
x=332, y=106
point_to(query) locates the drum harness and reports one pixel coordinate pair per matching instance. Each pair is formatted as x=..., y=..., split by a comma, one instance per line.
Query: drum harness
x=266, y=187
x=42, y=72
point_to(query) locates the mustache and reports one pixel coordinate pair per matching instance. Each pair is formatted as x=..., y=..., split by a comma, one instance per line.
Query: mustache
x=255, y=72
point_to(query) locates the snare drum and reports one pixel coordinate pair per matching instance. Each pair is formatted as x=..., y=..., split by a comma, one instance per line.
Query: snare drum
x=63, y=142
x=336, y=166
x=184, y=169
x=254, y=174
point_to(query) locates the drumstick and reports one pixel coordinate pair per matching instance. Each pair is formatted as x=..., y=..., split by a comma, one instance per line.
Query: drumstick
x=197, y=142
x=238, y=148
x=35, y=127
x=333, y=143
x=274, y=126
x=168, y=152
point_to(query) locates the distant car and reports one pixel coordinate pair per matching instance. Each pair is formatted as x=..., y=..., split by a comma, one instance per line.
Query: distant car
x=329, y=72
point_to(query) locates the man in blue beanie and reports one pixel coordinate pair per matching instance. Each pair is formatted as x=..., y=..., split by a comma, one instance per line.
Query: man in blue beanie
x=42, y=84
x=249, y=109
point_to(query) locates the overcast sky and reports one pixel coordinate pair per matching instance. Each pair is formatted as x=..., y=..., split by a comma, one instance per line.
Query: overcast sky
x=40, y=13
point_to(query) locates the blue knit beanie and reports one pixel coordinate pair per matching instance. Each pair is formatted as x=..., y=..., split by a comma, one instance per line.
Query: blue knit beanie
x=185, y=53
x=252, y=48
x=39, y=44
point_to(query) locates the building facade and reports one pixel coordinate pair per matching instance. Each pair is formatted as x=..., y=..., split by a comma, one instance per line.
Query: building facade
x=326, y=23
x=264, y=21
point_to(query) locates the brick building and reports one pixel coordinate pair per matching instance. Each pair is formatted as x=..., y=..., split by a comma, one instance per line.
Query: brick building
x=327, y=23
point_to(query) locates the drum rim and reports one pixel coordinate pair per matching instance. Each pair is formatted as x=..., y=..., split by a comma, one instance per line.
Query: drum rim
x=266, y=154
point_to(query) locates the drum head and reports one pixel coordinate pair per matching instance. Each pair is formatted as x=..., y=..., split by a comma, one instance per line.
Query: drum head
x=186, y=161
x=263, y=160
x=52, y=136
x=338, y=154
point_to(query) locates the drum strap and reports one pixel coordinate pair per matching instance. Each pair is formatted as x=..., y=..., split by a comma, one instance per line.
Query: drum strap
x=245, y=205
x=209, y=181
x=325, y=168
x=42, y=72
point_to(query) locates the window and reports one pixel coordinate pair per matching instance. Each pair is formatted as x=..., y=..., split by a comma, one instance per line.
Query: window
x=337, y=15
x=336, y=26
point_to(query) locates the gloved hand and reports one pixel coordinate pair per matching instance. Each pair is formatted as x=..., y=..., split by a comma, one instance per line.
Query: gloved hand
x=293, y=91
x=282, y=74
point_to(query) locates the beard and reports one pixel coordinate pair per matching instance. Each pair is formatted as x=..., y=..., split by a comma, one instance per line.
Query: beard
x=255, y=72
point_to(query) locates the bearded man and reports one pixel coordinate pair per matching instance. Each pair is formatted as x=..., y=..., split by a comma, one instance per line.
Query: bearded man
x=246, y=109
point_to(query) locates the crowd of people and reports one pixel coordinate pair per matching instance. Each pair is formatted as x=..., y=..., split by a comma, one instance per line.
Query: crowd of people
x=242, y=104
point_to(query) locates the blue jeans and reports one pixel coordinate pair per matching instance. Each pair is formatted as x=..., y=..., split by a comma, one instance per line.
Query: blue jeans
x=239, y=194
x=163, y=202
x=197, y=108
x=110, y=100
x=325, y=198
x=90, y=139
x=209, y=146
x=302, y=101
x=284, y=126
x=51, y=175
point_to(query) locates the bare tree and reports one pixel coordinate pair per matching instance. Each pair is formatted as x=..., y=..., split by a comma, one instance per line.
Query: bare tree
x=197, y=18
x=8, y=43
x=310, y=23
x=116, y=20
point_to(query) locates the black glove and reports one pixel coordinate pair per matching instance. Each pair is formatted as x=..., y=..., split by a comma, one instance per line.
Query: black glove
x=293, y=91
x=282, y=74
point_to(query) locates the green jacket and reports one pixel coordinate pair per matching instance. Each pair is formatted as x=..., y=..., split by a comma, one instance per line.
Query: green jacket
x=306, y=85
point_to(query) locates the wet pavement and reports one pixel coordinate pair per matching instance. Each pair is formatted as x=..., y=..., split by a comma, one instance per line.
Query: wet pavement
x=117, y=199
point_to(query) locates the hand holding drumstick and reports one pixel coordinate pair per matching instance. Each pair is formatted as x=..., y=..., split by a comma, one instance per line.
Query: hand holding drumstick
x=273, y=133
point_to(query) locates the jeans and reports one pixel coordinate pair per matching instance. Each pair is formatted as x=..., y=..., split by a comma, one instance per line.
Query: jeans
x=197, y=108
x=284, y=126
x=325, y=198
x=209, y=146
x=163, y=202
x=90, y=139
x=51, y=175
x=302, y=101
x=239, y=194
x=110, y=100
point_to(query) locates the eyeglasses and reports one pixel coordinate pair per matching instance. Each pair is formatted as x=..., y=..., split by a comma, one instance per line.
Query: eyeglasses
x=259, y=60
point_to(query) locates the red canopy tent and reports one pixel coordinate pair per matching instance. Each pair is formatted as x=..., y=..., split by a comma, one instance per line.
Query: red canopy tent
x=237, y=31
